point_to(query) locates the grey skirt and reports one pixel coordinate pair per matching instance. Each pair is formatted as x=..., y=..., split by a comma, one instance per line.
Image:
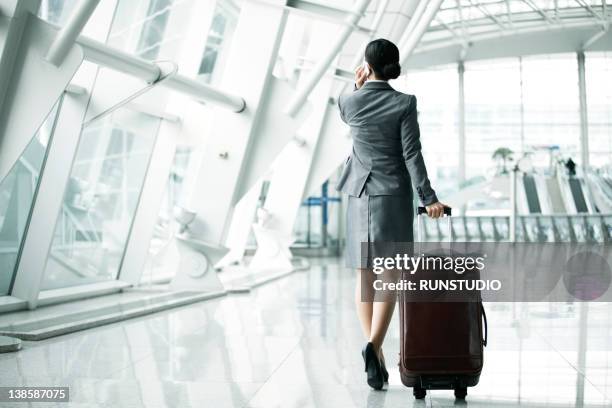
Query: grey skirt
x=375, y=220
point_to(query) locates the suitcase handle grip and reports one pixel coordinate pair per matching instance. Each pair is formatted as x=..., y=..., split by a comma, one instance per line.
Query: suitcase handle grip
x=486, y=328
x=422, y=210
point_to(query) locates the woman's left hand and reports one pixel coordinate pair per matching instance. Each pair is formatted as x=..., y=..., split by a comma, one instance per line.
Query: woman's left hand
x=360, y=76
x=435, y=210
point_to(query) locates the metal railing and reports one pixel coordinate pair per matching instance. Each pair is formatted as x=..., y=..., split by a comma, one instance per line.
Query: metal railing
x=592, y=228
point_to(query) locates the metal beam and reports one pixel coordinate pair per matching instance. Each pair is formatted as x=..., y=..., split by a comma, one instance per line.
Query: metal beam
x=486, y=13
x=67, y=35
x=414, y=19
x=350, y=23
x=588, y=43
x=104, y=55
x=347, y=75
x=543, y=39
x=380, y=12
x=539, y=11
x=415, y=36
x=454, y=33
x=318, y=9
x=590, y=9
x=121, y=61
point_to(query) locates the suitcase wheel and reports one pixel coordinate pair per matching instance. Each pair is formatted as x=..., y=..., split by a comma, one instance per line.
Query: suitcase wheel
x=418, y=392
x=460, y=392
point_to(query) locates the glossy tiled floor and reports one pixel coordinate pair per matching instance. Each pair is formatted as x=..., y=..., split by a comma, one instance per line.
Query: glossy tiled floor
x=296, y=343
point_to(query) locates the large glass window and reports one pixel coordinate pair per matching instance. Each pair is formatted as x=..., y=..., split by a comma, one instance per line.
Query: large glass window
x=219, y=39
x=522, y=104
x=100, y=200
x=599, y=103
x=56, y=11
x=152, y=34
x=492, y=112
x=551, y=104
x=151, y=29
x=17, y=192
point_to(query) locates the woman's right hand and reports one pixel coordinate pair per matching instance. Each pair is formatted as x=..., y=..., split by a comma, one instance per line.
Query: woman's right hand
x=360, y=76
x=435, y=210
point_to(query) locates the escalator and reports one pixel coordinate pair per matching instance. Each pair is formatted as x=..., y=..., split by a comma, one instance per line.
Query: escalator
x=578, y=195
x=531, y=194
x=554, y=193
x=602, y=193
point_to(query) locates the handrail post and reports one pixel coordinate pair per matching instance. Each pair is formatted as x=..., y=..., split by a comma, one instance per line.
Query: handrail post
x=513, y=202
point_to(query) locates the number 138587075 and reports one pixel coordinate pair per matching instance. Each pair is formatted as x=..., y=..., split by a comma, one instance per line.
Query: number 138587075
x=34, y=394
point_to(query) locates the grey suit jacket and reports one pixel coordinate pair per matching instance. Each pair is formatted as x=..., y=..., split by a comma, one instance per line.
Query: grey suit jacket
x=386, y=153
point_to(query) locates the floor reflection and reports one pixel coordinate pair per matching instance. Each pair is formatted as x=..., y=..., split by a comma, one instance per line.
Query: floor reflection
x=296, y=343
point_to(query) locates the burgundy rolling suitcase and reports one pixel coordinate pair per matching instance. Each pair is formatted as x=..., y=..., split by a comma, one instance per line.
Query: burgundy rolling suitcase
x=441, y=344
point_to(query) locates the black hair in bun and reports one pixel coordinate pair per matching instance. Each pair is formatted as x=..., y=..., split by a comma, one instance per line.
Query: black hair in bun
x=391, y=71
x=383, y=57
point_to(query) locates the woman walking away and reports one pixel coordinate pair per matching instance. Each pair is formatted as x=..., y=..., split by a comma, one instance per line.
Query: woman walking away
x=377, y=176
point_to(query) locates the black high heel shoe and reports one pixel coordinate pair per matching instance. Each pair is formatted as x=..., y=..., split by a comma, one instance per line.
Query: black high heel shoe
x=373, y=367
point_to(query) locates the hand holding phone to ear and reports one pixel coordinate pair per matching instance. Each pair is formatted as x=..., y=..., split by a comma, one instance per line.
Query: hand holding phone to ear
x=361, y=74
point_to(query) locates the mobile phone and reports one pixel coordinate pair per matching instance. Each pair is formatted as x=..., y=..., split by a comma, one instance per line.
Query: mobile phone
x=366, y=67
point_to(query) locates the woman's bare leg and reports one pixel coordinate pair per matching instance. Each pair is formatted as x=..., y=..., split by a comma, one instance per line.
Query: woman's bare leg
x=382, y=311
x=381, y=317
x=364, y=309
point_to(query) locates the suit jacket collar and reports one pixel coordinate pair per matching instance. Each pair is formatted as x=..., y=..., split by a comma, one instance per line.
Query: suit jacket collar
x=376, y=85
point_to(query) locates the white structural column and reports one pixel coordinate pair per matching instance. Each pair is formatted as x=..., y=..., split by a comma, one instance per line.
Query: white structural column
x=56, y=169
x=323, y=64
x=290, y=171
x=48, y=199
x=321, y=164
x=333, y=148
x=584, y=130
x=461, y=75
x=418, y=7
x=29, y=86
x=68, y=34
x=240, y=227
x=231, y=141
x=198, y=15
x=308, y=163
x=584, y=120
x=418, y=29
x=13, y=18
x=147, y=211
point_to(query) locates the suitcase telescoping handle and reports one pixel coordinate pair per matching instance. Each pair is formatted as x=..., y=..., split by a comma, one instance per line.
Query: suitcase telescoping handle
x=448, y=211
